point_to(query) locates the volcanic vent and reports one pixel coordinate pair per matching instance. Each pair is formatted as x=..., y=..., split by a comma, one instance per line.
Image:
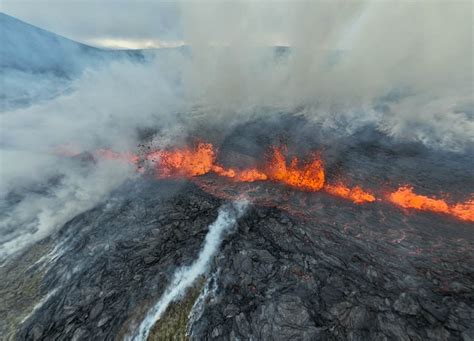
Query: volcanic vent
x=354, y=238
x=267, y=171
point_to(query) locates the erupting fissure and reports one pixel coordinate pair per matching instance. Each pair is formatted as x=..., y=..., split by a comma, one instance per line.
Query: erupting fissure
x=302, y=175
x=406, y=198
x=308, y=176
x=184, y=162
x=356, y=194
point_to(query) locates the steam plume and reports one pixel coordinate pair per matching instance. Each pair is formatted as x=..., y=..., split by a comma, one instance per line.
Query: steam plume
x=185, y=277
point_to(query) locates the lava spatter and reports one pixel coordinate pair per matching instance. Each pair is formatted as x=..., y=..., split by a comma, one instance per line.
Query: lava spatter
x=306, y=176
x=303, y=175
x=184, y=162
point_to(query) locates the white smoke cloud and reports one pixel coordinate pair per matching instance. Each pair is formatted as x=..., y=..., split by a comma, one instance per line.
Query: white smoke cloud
x=186, y=276
x=38, y=214
x=345, y=60
x=103, y=109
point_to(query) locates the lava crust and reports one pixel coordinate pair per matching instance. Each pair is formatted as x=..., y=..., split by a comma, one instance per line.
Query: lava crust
x=279, y=276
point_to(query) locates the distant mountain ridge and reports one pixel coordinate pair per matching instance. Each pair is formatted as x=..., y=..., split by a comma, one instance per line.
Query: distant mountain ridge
x=38, y=65
x=29, y=48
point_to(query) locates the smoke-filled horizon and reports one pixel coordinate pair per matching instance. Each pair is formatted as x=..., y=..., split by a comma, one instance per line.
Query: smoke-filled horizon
x=415, y=58
x=404, y=68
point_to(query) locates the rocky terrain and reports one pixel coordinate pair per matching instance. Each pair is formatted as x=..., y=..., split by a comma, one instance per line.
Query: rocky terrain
x=238, y=190
x=113, y=261
x=284, y=279
x=343, y=273
x=296, y=266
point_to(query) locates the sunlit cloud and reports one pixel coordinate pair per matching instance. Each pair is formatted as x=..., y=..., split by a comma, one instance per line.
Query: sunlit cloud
x=134, y=44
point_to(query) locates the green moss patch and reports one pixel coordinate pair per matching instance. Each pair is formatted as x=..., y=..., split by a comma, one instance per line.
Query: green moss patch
x=173, y=323
x=20, y=289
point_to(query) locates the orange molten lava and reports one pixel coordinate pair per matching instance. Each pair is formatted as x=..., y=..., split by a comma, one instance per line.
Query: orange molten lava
x=406, y=198
x=245, y=175
x=464, y=211
x=184, y=162
x=355, y=194
x=307, y=177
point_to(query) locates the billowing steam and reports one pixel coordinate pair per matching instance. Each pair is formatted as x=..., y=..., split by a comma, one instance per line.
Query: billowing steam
x=185, y=276
x=403, y=67
x=100, y=111
x=57, y=201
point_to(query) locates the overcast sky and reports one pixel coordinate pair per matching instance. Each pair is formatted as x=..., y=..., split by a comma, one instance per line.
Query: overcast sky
x=154, y=23
x=106, y=22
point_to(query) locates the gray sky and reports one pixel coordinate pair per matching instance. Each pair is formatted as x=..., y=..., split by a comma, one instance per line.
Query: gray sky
x=155, y=23
x=107, y=22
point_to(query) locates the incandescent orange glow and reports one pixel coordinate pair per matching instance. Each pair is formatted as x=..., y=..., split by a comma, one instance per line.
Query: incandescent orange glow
x=355, y=194
x=464, y=211
x=406, y=198
x=245, y=175
x=186, y=161
x=307, y=177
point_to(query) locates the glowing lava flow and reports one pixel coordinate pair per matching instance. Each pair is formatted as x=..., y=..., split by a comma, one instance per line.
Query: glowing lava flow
x=464, y=211
x=189, y=162
x=355, y=194
x=184, y=162
x=308, y=177
x=406, y=198
x=245, y=175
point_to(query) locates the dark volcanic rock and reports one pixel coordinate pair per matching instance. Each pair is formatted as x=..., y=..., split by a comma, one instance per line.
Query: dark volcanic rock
x=278, y=277
x=329, y=271
x=116, y=260
x=283, y=278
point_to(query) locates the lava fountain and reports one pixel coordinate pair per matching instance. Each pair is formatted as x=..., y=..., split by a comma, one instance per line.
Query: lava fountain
x=306, y=175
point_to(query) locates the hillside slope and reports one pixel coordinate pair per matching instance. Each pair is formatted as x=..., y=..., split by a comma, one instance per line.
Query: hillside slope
x=29, y=48
x=37, y=65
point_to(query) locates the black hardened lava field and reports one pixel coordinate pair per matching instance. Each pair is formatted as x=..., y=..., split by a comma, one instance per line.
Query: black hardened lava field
x=297, y=264
x=236, y=170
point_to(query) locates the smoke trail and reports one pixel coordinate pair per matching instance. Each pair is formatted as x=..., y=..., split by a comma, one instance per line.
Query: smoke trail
x=185, y=276
x=67, y=187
